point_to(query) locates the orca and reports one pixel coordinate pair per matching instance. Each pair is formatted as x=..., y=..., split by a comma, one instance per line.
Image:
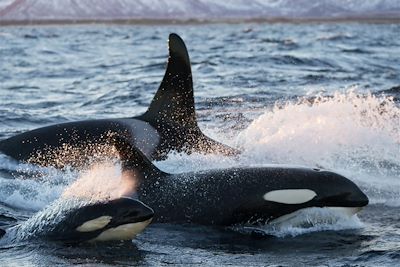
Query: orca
x=169, y=124
x=114, y=220
x=232, y=196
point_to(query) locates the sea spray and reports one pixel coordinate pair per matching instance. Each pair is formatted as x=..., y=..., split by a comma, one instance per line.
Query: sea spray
x=354, y=134
x=307, y=221
x=100, y=183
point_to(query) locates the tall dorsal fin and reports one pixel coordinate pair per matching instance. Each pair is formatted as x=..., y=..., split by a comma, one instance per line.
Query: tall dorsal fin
x=132, y=159
x=172, y=109
x=174, y=100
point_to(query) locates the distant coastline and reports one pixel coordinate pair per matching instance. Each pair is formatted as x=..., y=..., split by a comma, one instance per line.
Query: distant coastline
x=136, y=21
x=159, y=12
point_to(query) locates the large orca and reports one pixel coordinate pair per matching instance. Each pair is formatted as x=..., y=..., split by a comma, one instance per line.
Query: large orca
x=118, y=219
x=236, y=195
x=169, y=124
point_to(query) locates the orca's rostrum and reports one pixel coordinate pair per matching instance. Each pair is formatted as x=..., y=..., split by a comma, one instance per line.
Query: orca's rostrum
x=169, y=124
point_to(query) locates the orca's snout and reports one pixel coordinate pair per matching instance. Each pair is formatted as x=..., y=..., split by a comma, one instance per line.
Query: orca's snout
x=342, y=192
x=145, y=212
x=135, y=210
x=357, y=198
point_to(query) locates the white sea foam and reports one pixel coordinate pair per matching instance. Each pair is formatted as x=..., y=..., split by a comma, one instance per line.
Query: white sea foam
x=308, y=221
x=327, y=131
x=32, y=188
x=44, y=220
x=99, y=183
x=357, y=135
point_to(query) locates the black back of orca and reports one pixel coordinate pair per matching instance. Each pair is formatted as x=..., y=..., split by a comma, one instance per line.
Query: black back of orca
x=169, y=124
x=236, y=195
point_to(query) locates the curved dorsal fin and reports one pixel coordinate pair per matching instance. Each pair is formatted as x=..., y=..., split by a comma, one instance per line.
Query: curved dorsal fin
x=172, y=108
x=174, y=100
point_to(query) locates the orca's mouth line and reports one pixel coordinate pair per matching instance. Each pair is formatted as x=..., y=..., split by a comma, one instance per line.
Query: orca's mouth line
x=133, y=220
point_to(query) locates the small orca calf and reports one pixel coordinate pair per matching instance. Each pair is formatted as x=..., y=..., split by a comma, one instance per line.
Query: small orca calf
x=236, y=195
x=169, y=124
x=118, y=219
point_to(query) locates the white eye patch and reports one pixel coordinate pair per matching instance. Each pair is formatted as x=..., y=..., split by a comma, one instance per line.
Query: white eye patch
x=94, y=224
x=290, y=196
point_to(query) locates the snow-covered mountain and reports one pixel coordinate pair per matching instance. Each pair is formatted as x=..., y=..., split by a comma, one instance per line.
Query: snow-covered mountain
x=22, y=10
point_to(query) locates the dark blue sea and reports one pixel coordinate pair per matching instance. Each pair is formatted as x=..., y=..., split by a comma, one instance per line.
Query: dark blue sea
x=317, y=95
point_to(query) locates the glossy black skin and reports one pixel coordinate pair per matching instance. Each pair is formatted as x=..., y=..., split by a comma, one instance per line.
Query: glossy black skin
x=82, y=133
x=169, y=123
x=122, y=210
x=234, y=195
x=231, y=196
x=153, y=142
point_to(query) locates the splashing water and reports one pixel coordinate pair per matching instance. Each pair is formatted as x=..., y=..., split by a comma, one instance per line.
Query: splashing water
x=357, y=135
x=308, y=221
x=30, y=187
x=327, y=131
x=43, y=221
x=102, y=182
x=347, y=132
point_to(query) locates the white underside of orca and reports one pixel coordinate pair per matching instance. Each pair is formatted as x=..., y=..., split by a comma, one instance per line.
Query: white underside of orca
x=122, y=232
x=346, y=211
x=94, y=224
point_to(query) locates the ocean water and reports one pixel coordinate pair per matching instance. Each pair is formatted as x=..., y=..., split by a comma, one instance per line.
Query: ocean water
x=317, y=95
